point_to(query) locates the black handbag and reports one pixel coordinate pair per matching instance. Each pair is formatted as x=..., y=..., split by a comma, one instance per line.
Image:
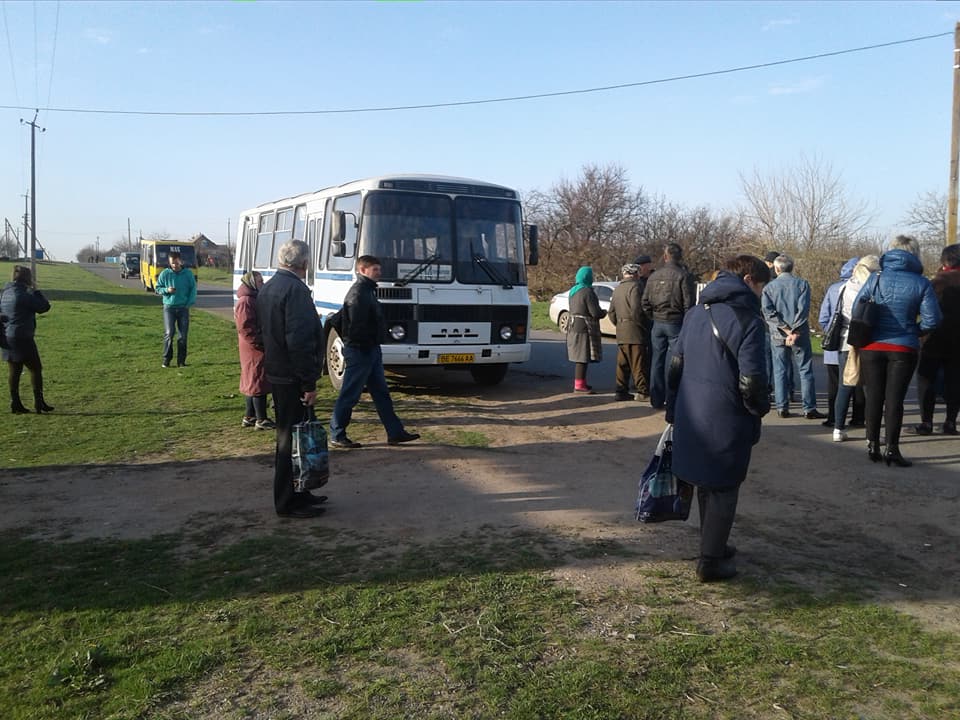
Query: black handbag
x=833, y=335
x=863, y=318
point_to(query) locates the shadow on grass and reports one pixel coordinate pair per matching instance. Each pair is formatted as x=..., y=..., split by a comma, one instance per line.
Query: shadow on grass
x=102, y=298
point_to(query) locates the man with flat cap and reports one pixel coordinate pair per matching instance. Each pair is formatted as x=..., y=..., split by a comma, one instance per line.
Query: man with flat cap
x=633, y=332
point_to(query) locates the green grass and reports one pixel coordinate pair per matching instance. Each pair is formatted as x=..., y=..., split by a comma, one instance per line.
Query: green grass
x=216, y=276
x=540, y=317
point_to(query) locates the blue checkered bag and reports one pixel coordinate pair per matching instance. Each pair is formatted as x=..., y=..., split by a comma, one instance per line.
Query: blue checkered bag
x=663, y=496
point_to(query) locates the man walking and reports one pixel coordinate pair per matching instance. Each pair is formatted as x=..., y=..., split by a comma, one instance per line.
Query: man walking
x=669, y=293
x=363, y=327
x=178, y=288
x=786, y=307
x=633, y=333
x=292, y=357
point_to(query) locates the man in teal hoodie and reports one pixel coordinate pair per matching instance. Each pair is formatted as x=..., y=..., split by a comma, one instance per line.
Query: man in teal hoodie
x=178, y=288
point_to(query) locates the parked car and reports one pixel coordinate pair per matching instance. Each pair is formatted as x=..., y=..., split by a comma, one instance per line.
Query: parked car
x=129, y=264
x=560, y=307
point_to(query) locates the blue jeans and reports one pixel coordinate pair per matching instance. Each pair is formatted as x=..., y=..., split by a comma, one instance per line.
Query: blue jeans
x=663, y=338
x=363, y=368
x=783, y=357
x=175, y=320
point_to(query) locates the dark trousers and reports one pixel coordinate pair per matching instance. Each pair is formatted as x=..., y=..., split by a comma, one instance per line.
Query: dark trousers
x=663, y=338
x=290, y=411
x=833, y=384
x=176, y=321
x=887, y=376
x=927, y=370
x=256, y=406
x=633, y=361
x=718, y=507
x=364, y=369
x=29, y=359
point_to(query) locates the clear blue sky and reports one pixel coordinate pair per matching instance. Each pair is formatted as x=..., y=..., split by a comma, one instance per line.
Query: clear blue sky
x=880, y=117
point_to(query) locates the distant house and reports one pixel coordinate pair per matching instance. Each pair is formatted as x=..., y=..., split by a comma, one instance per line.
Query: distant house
x=209, y=253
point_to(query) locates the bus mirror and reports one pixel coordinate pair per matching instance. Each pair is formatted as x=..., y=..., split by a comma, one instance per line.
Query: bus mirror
x=533, y=244
x=338, y=248
x=338, y=231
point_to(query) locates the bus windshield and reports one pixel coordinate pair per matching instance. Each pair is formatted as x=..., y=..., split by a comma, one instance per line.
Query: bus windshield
x=413, y=236
x=188, y=255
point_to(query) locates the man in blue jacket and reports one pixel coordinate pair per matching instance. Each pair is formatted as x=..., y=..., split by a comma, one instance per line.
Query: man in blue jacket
x=786, y=306
x=178, y=288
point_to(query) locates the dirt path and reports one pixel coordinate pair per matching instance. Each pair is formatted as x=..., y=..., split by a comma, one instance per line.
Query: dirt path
x=812, y=512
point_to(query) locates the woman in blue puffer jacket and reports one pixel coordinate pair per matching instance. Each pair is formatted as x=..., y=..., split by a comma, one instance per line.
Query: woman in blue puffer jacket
x=906, y=309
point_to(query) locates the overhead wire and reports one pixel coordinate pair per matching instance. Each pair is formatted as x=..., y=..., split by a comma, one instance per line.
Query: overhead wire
x=487, y=101
x=53, y=54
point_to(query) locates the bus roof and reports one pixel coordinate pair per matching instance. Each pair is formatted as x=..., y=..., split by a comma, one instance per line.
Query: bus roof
x=444, y=183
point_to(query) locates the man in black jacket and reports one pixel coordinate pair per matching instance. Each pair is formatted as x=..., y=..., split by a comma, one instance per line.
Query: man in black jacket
x=363, y=327
x=292, y=357
x=669, y=293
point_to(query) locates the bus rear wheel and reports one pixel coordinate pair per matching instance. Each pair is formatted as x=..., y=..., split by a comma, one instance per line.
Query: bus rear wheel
x=336, y=364
x=489, y=374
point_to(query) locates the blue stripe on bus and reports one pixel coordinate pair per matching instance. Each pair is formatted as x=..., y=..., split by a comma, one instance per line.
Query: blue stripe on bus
x=327, y=305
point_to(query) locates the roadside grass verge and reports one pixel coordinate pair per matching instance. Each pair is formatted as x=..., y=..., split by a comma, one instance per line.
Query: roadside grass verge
x=101, y=348
x=344, y=626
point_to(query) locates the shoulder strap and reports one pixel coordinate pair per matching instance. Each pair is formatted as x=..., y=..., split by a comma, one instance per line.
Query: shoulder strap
x=716, y=330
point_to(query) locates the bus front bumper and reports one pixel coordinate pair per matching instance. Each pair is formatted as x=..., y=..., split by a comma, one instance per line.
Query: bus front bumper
x=454, y=355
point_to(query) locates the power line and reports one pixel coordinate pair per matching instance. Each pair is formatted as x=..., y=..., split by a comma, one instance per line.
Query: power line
x=53, y=54
x=13, y=69
x=487, y=101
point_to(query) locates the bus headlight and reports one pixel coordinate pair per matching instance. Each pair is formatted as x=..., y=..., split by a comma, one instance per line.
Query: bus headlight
x=506, y=333
x=397, y=332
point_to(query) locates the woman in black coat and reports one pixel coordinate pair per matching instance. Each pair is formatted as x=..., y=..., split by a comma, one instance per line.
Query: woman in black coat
x=21, y=303
x=717, y=393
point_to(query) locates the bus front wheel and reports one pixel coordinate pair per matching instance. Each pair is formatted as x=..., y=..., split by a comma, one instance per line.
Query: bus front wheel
x=488, y=374
x=336, y=364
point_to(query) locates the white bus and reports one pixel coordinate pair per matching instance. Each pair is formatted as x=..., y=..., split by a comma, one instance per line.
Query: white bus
x=453, y=253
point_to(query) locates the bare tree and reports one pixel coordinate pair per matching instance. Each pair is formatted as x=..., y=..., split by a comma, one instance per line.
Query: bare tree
x=927, y=217
x=804, y=208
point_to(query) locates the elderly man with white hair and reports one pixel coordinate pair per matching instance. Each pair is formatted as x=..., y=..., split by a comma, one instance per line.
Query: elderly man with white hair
x=786, y=306
x=633, y=334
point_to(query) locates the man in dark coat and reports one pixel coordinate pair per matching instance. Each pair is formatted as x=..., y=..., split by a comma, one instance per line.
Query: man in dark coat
x=941, y=350
x=669, y=293
x=289, y=326
x=717, y=395
x=362, y=324
x=633, y=333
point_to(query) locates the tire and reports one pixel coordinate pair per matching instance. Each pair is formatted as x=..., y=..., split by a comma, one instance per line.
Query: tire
x=336, y=364
x=563, y=322
x=489, y=374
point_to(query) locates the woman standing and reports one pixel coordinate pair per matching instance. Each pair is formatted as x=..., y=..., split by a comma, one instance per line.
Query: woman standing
x=253, y=379
x=864, y=267
x=717, y=394
x=21, y=303
x=901, y=294
x=583, y=333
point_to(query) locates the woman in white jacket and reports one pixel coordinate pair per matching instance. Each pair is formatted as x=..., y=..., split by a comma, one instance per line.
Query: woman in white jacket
x=865, y=267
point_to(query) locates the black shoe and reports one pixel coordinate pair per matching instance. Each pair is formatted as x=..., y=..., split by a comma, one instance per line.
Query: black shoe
x=18, y=409
x=813, y=415
x=949, y=428
x=923, y=428
x=165, y=364
x=893, y=457
x=714, y=569
x=308, y=498
x=828, y=423
x=622, y=396
x=304, y=511
x=873, y=451
x=42, y=407
x=856, y=424
x=784, y=413
x=345, y=443
x=403, y=437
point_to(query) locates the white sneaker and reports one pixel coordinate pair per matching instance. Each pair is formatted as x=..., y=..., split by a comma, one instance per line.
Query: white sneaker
x=839, y=435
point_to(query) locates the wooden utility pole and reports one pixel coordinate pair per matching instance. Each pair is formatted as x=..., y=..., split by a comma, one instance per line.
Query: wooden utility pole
x=33, y=191
x=954, y=141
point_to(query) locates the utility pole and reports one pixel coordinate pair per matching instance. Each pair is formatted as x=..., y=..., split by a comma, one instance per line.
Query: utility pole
x=33, y=191
x=129, y=236
x=954, y=141
x=26, y=228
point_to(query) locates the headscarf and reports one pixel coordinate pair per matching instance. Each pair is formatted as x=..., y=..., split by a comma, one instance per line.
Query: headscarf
x=249, y=280
x=630, y=269
x=584, y=280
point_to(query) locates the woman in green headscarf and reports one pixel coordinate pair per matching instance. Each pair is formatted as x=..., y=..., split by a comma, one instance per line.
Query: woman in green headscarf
x=583, y=332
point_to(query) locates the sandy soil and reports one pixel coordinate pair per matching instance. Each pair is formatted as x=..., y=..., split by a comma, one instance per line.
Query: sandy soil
x=812, y=512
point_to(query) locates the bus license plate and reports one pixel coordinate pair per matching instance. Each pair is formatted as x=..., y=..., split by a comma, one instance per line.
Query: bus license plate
x=454, y=358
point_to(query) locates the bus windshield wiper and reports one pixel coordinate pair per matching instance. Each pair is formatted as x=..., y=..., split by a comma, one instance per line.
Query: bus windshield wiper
x=419, y=270
x=491, y=271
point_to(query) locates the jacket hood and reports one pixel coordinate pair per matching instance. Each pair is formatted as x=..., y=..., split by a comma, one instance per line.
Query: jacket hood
x=901, y=260
x=846, y=272
x=730, y=289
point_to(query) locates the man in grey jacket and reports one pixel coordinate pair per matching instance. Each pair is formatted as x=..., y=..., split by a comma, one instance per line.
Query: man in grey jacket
x=669, y=293
x=633, y=334
x=786, y=307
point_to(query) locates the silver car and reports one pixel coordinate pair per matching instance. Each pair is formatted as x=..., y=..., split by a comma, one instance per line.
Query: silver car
x=560, y=307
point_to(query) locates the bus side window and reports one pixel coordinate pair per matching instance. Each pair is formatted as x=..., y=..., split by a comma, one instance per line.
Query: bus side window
x=264, y=251
x=313, y=242
x=300, y=222
x=284, y=232
x=350, y=205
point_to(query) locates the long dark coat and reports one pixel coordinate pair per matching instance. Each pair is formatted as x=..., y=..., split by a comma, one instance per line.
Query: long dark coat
x=583, y=335
x=21, y=305
x=715, y=425
x=253, y=377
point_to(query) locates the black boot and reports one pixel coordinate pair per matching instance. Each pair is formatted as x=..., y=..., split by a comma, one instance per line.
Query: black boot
x=893, y=457
x=873, y=450
x=17, y=408
x=41, y=406
x=714, y=569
